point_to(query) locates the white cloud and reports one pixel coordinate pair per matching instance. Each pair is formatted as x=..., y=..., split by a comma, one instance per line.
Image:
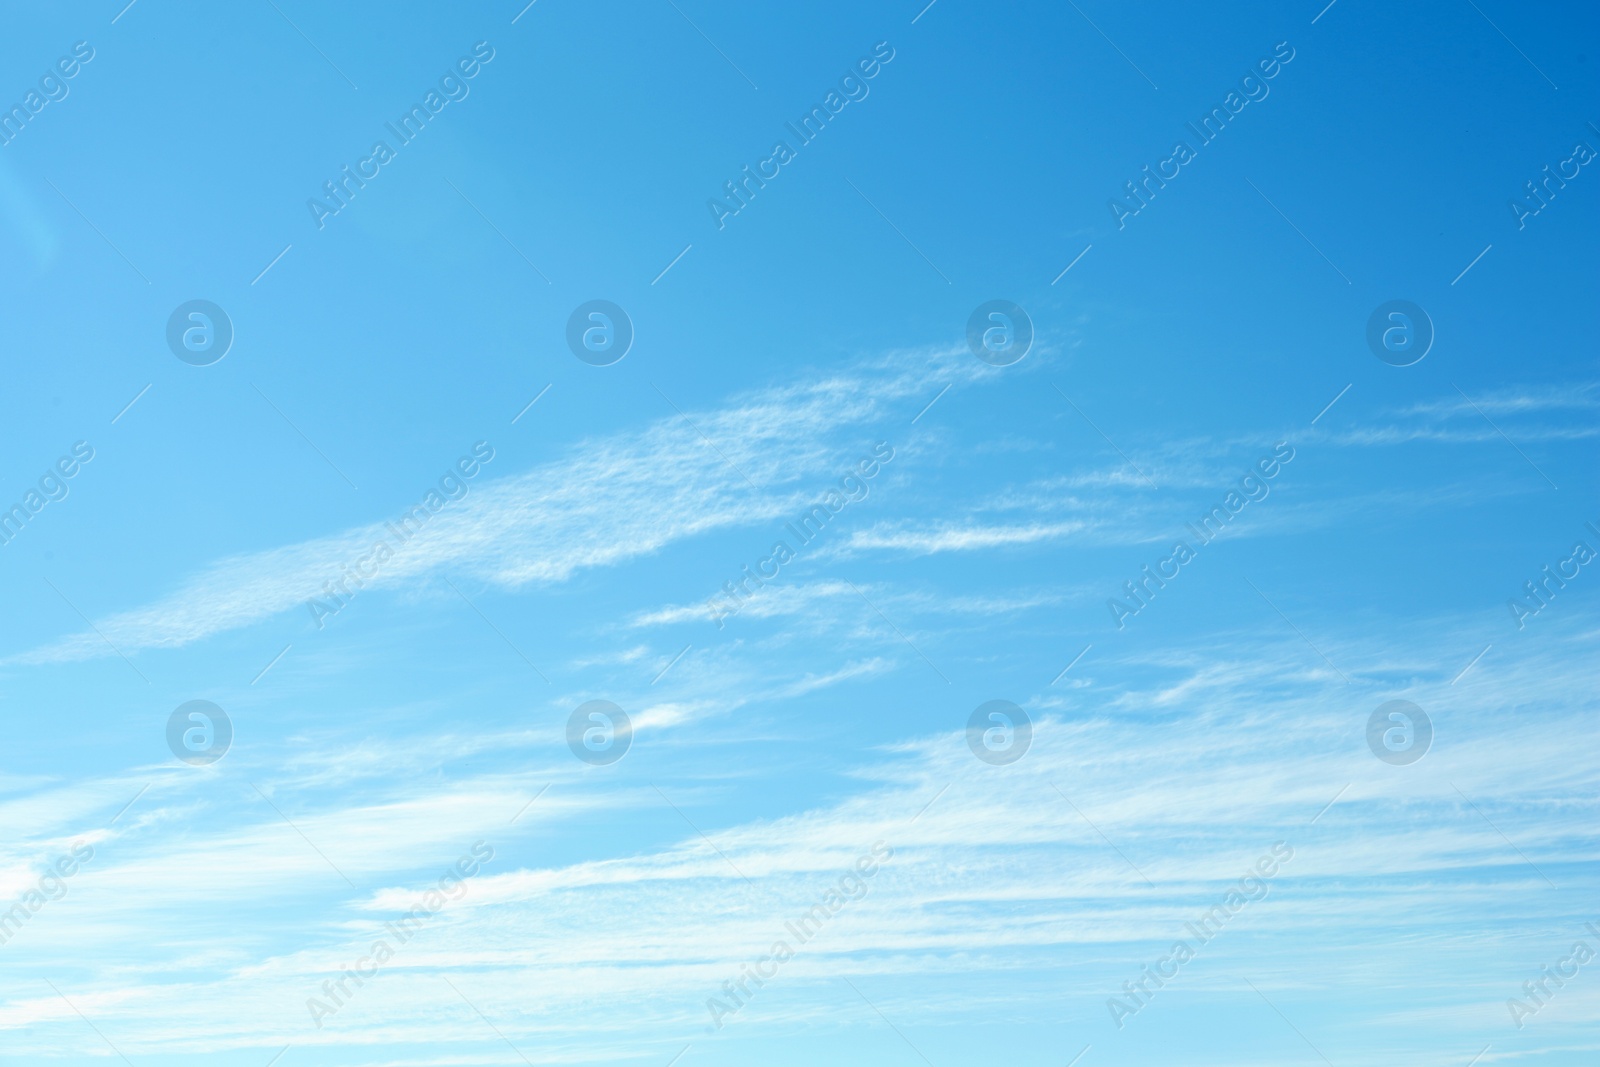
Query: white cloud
x=1218, y=752
x=607, y=501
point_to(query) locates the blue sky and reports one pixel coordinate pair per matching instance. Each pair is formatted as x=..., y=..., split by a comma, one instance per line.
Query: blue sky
x=412, y=747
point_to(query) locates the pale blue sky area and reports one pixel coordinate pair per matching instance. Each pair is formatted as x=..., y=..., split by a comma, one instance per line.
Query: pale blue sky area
x=514, y=522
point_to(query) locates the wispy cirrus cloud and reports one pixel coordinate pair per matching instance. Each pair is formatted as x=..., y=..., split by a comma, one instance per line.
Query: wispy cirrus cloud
x=622, y=497
x=607, y=501
x=1531, y=413
x=952, y=537
x=1068, y=867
